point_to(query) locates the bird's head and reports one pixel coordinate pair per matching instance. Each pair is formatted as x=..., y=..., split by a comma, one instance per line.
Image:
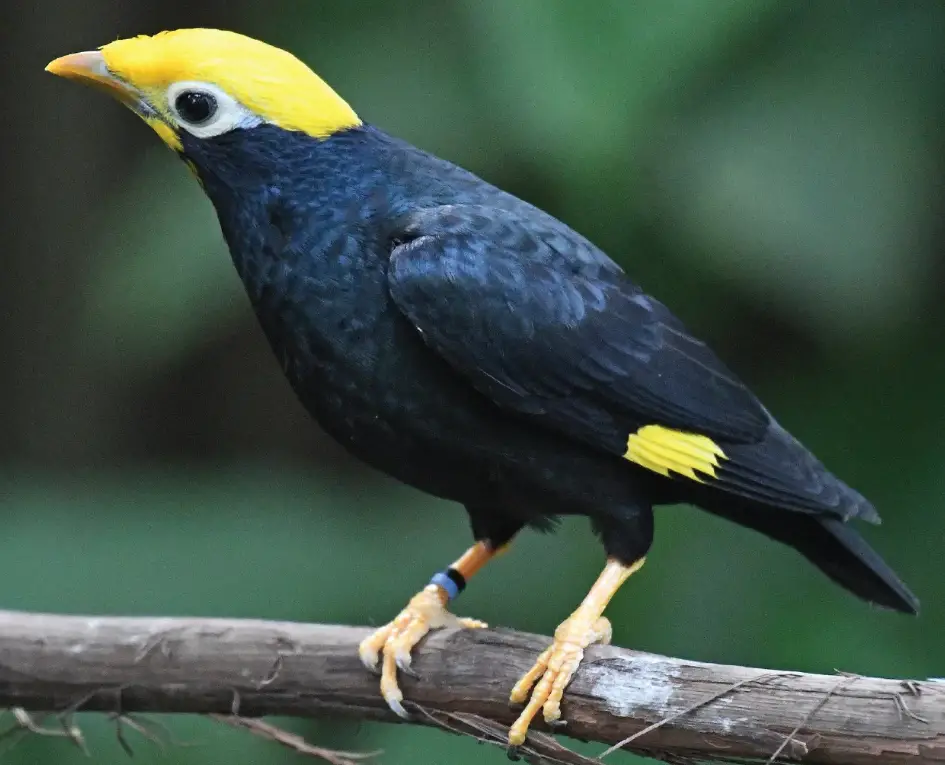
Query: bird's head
x=197, y=84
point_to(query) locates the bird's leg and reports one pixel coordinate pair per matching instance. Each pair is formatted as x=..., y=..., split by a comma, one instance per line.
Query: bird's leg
x=425, y=611
x=557, y=664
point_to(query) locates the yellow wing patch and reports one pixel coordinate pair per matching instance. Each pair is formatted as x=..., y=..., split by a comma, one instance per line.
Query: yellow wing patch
x=664, y=450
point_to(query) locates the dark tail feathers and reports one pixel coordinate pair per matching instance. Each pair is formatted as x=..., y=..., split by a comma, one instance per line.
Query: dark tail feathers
x=834, y=547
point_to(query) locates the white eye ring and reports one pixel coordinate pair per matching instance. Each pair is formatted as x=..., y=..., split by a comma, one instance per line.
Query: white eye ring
x=229, y=114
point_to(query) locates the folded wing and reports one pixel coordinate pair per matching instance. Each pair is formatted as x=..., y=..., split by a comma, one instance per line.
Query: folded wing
x=543, y=324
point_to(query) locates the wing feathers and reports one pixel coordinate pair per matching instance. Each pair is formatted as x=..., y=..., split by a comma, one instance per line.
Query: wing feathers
x=780, y=472
x=545, y=325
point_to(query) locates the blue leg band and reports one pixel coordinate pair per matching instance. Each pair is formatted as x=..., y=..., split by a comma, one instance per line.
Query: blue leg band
x=451, y=581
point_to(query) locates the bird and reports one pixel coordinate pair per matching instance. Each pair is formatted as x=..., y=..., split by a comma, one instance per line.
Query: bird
x=472, y=346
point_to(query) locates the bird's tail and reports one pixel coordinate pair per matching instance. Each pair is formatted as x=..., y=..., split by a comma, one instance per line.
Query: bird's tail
x=833, y=546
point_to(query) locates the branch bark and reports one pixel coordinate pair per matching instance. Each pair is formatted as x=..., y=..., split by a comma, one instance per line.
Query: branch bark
x=254, y=668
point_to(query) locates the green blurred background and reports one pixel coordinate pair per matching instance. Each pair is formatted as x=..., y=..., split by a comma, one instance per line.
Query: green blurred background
x=773, y=171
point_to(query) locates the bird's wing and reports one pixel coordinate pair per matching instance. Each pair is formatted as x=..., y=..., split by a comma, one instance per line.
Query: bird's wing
x=544, y=325
x=545, y=330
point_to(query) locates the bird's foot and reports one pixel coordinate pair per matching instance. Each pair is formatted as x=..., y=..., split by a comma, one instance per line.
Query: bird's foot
x=553, y=671
x=395, y=641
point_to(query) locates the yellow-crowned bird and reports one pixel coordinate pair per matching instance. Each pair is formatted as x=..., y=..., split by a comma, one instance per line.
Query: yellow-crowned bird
x=470, y=345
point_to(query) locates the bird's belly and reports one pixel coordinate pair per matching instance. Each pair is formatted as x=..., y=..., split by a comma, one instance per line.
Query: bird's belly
x=395, y=406
x=440, y=436
x=424, y=446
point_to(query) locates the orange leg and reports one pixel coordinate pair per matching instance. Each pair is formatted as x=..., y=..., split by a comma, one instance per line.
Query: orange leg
x=425, y=611
x=557, y=664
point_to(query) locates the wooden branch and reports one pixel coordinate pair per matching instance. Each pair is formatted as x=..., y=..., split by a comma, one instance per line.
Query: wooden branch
x=254, y=668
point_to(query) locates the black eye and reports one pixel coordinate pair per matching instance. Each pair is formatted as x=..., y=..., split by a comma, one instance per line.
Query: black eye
x=195, y=107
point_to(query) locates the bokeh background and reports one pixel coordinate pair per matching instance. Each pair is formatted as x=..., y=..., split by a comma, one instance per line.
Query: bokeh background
x=773, y=171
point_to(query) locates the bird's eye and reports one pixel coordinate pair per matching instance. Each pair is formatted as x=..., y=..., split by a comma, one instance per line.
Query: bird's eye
x=205, y=110
x=196, y=107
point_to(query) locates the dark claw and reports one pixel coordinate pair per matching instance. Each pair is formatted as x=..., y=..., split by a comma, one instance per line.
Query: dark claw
x=514, y=753
x=556, y=724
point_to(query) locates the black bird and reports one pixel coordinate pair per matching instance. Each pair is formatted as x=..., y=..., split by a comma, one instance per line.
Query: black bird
x=470, y=345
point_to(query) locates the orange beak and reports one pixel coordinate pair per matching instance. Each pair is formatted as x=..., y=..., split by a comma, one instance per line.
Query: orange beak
x=89, y=68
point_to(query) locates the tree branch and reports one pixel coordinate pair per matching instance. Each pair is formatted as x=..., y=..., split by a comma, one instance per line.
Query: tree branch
x=671, y=708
